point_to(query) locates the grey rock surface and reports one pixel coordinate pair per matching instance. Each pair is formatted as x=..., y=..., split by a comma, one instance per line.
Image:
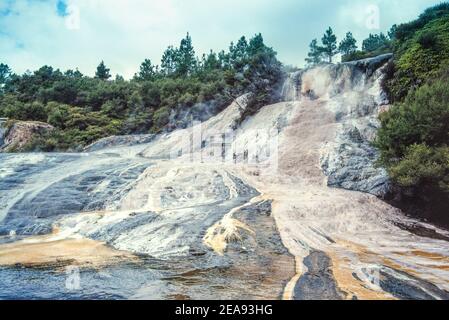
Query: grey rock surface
x=351, y=164
x=318, y=282
x=114, y=141
x=349, y=161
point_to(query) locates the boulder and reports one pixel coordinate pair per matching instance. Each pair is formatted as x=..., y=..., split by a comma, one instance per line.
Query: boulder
x=350, y=163
x=13, y=137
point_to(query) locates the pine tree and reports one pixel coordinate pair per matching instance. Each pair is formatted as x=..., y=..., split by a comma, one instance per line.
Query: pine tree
x=102, y=72
x=392, y=32
x=329, y=41
x=256, y=45
x=348, y=45
x=375, y=42
x=73, y=74
x=315, y=55
x=186, y=62
x=239, y=52
x=223, y=59
x=147, y=71
x=211, y=62
x=169, y=61
x=5, y=73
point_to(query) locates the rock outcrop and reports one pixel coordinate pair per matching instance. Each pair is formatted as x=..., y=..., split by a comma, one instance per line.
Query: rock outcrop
x=354, y=96
x=370, y=65
x=349, y=163
x=13, y=137
x=3, y=130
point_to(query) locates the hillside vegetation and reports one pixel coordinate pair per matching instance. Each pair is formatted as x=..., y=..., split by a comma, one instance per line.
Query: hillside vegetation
x=414, y=136
x=183, y=88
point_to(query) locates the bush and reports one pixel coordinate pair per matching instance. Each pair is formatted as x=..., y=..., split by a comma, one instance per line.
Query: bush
x=422, y=118
x=407, y=30
x=427, y=39
x=12, y=108
x=419, y=57
x=161, y=118
x=413, y=140
x=423, y=166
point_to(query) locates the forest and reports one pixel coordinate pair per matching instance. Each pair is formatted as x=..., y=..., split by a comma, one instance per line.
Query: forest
x=182, y=88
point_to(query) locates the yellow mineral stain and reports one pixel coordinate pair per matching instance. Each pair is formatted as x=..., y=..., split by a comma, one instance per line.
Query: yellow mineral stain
x=428, y=255
x=290, y=287
x=223, y=232
x=394, y=265
x=227, y=230
x=42, y=250
x=441, y=267
x=367, y=256
x=350, y=285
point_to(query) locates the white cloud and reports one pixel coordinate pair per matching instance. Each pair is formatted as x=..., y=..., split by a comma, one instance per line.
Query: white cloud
x=125, y=32
x=356, y=15
x=108, y=29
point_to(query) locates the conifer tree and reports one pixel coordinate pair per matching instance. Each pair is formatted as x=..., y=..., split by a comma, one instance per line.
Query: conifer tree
x=329, y=41
x=102, y=72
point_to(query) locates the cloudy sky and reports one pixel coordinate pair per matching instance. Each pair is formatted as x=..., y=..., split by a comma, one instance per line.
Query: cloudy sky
x=69, y=34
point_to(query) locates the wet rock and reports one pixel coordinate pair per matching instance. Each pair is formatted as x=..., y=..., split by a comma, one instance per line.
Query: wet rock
x=35, y=211
x=181, y=117
x=318, y=282
x=259, y=258
x=422, y=230
x=407, y=287
x=349, y=160
x=3, y=130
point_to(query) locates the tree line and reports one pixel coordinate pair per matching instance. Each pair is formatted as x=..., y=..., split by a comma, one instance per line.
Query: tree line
x=375, y=44
x=84, y=109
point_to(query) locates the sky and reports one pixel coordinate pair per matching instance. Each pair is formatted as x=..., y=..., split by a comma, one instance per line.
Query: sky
x=70, y=34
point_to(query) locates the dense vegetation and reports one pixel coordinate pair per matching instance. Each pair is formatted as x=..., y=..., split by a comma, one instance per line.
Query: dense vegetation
x=184, y=87
x=414, y=136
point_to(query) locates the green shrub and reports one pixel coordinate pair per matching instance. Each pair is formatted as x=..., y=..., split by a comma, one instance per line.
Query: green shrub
x=11, y=108
x=418, y=57
x=161, y=118
x=413, y=140
x=422, y=166
x=422, y=118
x=427, y=39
